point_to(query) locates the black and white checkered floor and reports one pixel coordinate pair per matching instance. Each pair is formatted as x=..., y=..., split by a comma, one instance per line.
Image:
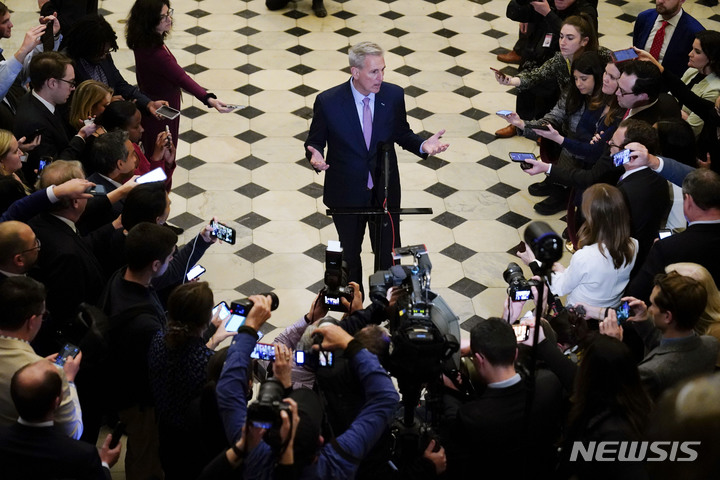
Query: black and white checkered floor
x=248, y=167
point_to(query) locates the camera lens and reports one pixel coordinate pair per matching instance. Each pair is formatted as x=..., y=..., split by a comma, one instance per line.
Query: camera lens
x=512, y=273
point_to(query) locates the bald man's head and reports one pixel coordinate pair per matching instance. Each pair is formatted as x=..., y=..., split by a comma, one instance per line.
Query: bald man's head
x=36, y=390
x=18, y=247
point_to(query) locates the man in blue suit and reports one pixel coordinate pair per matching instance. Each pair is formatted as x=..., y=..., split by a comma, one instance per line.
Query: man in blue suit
x=360, y=121
x=679, y=33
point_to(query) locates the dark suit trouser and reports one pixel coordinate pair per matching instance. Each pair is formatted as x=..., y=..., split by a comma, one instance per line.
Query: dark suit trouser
x=351, y=231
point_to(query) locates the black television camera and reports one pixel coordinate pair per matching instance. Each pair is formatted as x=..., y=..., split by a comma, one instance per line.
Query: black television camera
x=265, y=411
x=336, y=278
x=424, y=340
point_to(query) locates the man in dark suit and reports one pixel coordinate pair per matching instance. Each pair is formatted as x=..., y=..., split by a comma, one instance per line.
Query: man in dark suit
x=115, y=161
x=647, y=194
x=360, y=121
x=53, y=79
x=34, y=447
x=493, y=431
x=697, y=244
x=676, y=352
x=67, y=264
x=671, y=30
x=640, y=90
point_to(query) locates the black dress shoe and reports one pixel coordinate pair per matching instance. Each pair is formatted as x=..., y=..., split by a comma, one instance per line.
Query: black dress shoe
x=319, y=9
x=175, y=229
x=551, y=205
x=541, y=189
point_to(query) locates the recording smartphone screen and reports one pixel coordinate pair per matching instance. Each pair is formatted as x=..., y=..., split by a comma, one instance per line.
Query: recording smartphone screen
x=263, y=351
x=621, y=158
x=664, y=233
x=624, y=55
x=326, y=358
x=157, y=175
x=69, y=350
x=622, y=313
x=300, y=357
x=521, y=157
x=195, y=272
x=503, y=113
x=223, y=232
x=168, y=112
x=521, y=332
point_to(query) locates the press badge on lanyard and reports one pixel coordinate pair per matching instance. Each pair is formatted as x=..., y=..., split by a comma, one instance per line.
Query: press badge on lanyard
x=548, y=40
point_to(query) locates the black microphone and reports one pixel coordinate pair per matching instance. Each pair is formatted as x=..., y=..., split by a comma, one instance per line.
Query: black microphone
x=385, y=147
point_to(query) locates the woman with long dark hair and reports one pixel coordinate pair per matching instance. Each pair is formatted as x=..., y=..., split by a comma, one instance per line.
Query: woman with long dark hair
x=177, y=363
x=600, y=269
x=157, y=70
x=608, y=404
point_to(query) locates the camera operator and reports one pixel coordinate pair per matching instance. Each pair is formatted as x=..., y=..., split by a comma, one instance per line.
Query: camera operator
x=340, y=458
x=495, y=429
x=298, y=335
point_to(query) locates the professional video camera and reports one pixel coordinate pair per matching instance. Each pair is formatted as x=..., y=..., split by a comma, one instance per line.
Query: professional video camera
x=424, y=341
x=336, y=278
x=265, y=411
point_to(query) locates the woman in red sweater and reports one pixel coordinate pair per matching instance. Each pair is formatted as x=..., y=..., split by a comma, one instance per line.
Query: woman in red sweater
x=158, y=73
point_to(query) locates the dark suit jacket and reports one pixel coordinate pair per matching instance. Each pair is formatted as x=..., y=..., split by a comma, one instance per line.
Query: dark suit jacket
x=67, y=266
x=648, y=198
x=35, y=453
x=57, y=141
x=676, y=54
x=666, y=107
x=98, y=179
x=336, y=123
x=489, y=432
x=698, y=244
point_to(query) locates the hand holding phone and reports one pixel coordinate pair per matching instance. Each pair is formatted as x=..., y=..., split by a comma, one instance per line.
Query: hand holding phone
x=263, y=351
x=498, y=73
x=521, y=157
x=621, y=158
x=222, y=232
x=195, y=272
x=624, y=55
x=168, y=112
x=48, y=37
x=156, y=175
x=69, y=350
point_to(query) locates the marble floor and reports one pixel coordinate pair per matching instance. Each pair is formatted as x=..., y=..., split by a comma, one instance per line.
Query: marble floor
x=248, y=167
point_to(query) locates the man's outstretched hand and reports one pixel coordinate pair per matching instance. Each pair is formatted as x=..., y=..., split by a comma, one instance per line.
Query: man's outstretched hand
x=433, y=146
x=317, y=160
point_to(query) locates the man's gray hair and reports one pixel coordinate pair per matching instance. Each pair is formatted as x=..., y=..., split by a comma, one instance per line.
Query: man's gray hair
x=358, y=52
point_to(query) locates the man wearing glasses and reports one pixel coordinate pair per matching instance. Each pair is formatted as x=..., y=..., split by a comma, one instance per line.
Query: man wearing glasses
x=19, y=248
x=23, y=301
x=640, y=91
x=53, y=79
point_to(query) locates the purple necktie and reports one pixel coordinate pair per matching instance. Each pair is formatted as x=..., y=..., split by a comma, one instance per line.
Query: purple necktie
x=367, y=132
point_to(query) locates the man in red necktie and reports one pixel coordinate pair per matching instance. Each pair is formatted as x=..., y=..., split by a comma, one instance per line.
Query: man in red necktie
x=667, y=32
